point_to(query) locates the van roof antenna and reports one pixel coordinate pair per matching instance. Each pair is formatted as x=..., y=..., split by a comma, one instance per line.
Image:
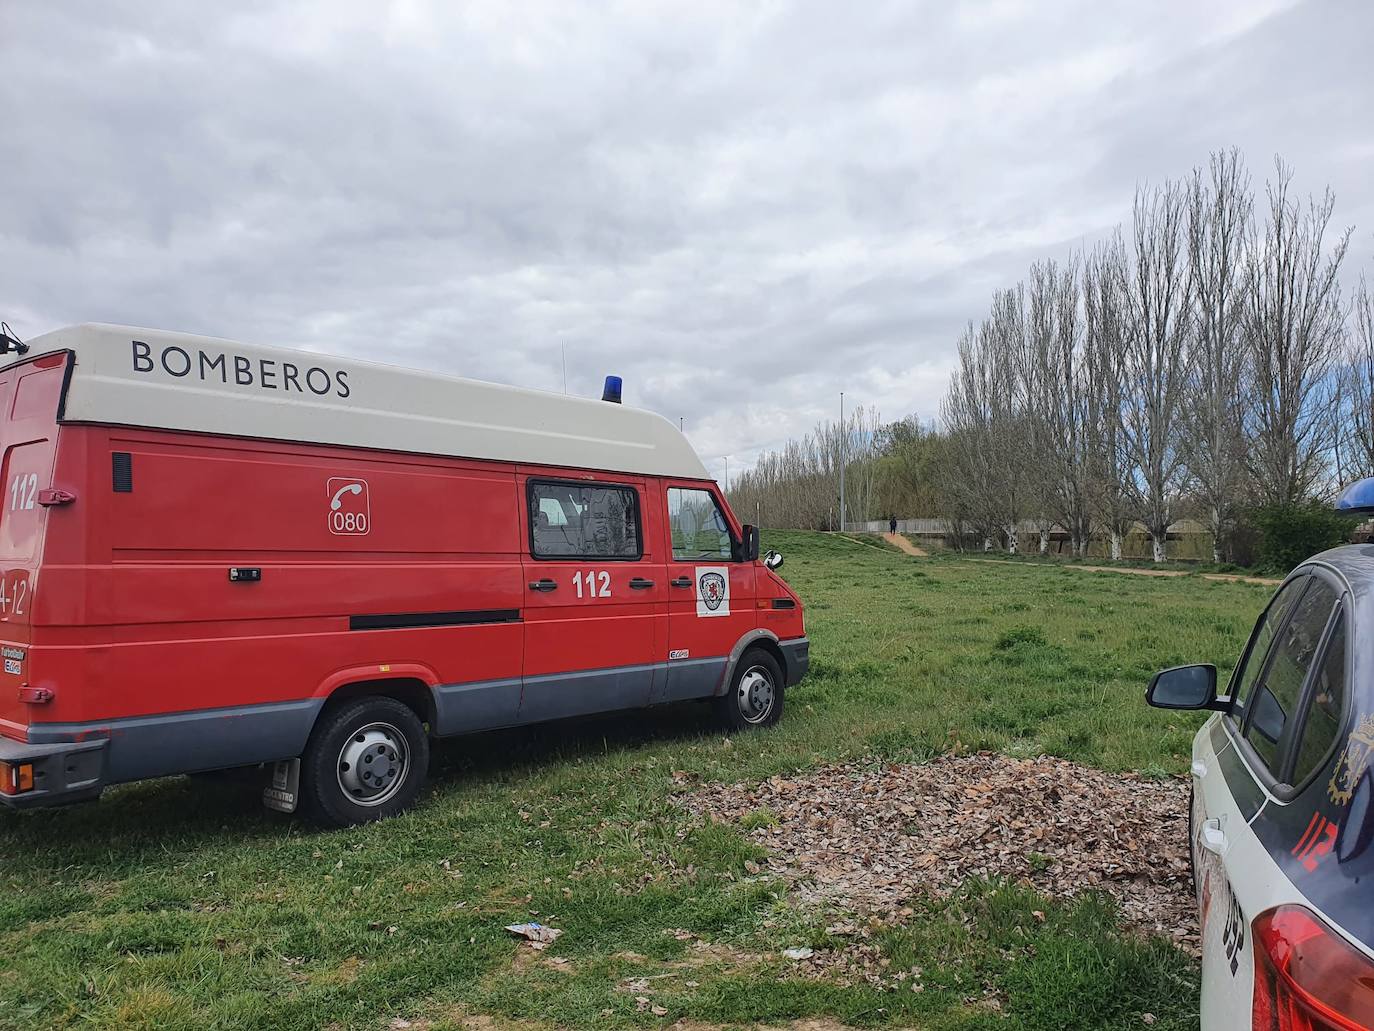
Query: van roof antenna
x=9, y=342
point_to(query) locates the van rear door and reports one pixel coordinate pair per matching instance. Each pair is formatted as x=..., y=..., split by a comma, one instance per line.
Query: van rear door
x=30, y=393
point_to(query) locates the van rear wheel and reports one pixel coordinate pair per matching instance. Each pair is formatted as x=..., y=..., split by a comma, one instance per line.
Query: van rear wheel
x=366, y=760
x=754, y=697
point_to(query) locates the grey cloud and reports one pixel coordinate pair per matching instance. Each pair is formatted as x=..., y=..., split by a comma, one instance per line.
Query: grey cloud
x=740, y=210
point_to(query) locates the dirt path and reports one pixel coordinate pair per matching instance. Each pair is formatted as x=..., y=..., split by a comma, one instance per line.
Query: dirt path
x=902, y=544
x=1233, y=578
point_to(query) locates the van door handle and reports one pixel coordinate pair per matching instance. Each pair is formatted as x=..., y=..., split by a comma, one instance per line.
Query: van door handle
x=682, y=581
x=638, y=583
x=1213, y=837
x=543, y=585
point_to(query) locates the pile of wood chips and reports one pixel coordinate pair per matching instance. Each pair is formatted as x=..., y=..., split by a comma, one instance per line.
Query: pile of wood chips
x=869, y=838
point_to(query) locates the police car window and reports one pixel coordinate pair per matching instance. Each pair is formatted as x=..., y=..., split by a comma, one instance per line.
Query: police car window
x=1252, y=663
x=1328, y=702
x=699, y=529
x=570, y=520
x=1277, y=692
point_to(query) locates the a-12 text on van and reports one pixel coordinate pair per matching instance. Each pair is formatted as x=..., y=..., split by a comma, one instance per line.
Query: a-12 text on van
x=216, y=555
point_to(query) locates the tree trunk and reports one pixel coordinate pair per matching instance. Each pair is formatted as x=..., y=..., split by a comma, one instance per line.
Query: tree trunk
x=1044, y=542
x=1012, y=542
x=1157, y=546
x=1116, y=546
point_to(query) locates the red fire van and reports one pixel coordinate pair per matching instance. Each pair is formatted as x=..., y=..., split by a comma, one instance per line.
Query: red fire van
x=217, y=555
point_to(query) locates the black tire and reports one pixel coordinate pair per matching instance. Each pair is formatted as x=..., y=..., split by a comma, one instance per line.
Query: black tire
x=366, y=760
x=755, y=695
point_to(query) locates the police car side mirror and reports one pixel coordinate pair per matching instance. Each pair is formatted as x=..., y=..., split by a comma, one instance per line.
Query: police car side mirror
x=1185, y=687
x=772, y=560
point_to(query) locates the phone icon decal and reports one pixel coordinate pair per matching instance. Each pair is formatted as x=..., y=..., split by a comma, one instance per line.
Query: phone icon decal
x=350, y=513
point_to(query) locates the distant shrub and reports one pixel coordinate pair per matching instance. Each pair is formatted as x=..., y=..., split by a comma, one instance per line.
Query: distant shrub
x=1291, y=534
x=1021, y=635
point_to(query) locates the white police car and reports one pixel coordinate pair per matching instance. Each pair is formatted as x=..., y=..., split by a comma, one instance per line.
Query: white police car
x=1281, y=819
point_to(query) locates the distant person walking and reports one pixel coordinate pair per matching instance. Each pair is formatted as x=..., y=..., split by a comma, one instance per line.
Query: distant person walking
x=892, y=524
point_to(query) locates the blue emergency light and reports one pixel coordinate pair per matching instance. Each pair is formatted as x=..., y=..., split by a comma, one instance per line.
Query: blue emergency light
x=1358, y=497
x=612, y=391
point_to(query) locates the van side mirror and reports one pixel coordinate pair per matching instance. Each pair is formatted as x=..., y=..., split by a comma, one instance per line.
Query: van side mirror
x=773, y=560
x=749, y=543
x=1185, y=687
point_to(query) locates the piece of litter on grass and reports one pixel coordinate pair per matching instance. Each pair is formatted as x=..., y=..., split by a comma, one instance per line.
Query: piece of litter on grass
x=539, y=936
x=803, y=952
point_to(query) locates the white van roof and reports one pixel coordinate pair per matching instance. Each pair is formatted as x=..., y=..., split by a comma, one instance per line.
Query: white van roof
x=175, y=381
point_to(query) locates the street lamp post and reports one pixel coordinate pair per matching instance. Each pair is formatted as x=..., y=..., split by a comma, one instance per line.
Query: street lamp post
x=843, y=435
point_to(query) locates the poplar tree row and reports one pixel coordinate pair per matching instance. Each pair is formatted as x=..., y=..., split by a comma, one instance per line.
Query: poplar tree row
x=1201, y=361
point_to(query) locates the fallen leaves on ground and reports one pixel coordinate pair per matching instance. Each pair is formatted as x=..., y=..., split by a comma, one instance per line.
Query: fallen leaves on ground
x=873, y=837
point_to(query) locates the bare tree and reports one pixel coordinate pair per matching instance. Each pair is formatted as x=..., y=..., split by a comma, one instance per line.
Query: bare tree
x=970, y=475
x=1219, y=212
x=798, y=485
x=1355, y=458
x=1295, y=322
x=1002, y=341
x=1104, y=346
x=1057, y=401
x=1156, y=348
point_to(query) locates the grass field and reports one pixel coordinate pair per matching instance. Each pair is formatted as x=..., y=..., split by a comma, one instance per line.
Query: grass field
x=182, y=904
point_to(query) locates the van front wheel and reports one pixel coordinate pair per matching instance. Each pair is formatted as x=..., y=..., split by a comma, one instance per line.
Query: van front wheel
x=754, y=697
x=366, y=760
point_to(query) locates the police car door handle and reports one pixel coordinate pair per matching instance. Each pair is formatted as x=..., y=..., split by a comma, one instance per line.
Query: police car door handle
x=1213, y=837
x=682, y=581
x=638, y=583
x=543, y=585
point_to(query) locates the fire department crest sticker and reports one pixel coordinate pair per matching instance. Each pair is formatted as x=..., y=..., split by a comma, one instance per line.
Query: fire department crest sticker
x=1359, y=751
x=713, y=591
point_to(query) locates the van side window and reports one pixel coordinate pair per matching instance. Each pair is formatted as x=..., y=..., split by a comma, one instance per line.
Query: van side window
x=698, y=526
x=1276, y=694
x=1324, y=712
x=579, y=520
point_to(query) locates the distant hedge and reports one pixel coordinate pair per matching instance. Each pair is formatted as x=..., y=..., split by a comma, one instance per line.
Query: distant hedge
x=1291, y=534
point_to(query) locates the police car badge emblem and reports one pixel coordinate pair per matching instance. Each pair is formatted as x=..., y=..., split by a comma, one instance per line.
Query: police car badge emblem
x=1359, y=750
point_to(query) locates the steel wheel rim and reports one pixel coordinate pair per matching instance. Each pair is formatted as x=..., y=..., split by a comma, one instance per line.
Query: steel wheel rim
x=756, y=694
x=373, y=764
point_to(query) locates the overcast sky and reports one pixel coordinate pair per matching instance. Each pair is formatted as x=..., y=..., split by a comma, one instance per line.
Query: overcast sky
x=742, y=209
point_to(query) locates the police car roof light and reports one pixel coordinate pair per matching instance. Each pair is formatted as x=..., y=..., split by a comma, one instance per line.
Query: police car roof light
x=612, y=391
x=1358, y=497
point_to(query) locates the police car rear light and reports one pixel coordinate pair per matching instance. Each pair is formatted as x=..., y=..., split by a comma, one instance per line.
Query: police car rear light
x=1307, y=977
x=16, y=778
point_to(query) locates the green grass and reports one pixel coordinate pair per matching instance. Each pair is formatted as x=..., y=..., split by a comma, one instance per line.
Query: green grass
x=182, y=904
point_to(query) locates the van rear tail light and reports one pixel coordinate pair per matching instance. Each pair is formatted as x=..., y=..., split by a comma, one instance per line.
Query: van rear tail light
x=1307, y=977
x=16, y=778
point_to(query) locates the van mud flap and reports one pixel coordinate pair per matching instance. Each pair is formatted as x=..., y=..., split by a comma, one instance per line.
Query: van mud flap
x=284, y=791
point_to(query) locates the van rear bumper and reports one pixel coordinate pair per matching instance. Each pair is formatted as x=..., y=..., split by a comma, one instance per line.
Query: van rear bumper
x=63, y=772
x=797, y=658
